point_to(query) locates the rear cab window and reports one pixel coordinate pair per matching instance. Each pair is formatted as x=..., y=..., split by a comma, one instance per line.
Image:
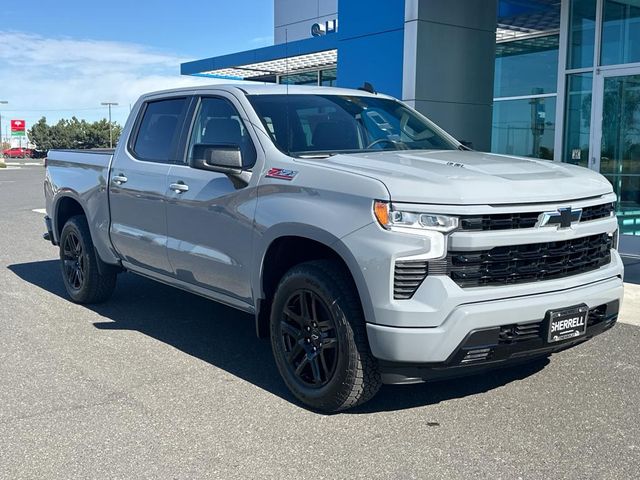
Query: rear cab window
x=159, y=129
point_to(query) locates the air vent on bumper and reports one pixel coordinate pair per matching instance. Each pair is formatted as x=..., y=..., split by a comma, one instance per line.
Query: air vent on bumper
x=407, y=277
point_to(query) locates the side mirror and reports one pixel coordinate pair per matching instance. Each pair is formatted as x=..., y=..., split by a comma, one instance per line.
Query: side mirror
x=225, y=158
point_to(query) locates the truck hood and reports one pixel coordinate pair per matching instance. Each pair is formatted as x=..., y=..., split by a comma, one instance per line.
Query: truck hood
x=468, y=178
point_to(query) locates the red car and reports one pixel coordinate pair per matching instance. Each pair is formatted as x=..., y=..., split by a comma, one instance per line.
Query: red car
x=18, y=152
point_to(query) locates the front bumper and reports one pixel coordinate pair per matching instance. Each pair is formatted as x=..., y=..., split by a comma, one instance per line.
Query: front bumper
x=496, y=347
x=438, y=345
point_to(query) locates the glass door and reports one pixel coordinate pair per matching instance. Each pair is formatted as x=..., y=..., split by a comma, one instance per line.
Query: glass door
x=616, y=146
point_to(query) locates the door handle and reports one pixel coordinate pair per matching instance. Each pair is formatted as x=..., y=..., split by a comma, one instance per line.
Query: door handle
x=119, y=179
x=179, y=187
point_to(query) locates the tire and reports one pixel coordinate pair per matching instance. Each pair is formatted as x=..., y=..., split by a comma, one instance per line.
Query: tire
x=319, y=339
x=86, y=278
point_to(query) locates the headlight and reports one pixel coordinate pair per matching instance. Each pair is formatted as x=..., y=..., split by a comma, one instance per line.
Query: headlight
x=393, y=219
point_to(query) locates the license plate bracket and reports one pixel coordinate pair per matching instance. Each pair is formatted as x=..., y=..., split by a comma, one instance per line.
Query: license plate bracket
x=567, y=323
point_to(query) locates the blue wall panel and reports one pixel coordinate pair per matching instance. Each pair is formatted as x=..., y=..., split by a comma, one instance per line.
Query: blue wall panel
x=376, y=59
x=362, y=17
x=371, y=44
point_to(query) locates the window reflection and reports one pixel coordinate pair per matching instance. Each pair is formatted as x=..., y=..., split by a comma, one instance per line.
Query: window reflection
x=621, y=32
x=526, y=66
x=582, y=28
x=524, y=127
x=578, y=119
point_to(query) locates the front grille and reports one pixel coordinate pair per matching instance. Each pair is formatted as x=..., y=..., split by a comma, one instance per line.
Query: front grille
x=515, y=340
x=529, y=263
x=511, y=221
x=607, y=313
x=407, y=277
x=521, y=332
x=597, y=212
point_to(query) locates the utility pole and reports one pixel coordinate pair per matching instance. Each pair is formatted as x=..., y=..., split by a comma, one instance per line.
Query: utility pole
x=109, y=104
x=2, y=102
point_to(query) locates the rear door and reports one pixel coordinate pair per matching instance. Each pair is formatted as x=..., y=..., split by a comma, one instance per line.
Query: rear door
x=138, y=184
x=209, y=219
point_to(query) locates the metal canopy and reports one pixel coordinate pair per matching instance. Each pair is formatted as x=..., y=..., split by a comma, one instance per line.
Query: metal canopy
x=535, y=18
x=279, y=66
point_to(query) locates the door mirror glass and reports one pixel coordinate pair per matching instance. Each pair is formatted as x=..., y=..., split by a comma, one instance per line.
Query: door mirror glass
x=226, y=158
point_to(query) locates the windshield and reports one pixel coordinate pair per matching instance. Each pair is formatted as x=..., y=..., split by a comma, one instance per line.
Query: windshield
x=313, y=125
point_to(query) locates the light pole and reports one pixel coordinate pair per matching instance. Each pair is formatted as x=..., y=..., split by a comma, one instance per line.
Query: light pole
x=2, y=102
x=109, y=104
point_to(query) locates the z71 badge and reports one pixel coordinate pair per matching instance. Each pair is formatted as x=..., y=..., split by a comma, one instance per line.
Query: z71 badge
x=281, y=173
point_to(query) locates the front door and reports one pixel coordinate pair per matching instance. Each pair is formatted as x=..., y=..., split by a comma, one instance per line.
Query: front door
x=616, y=146
x=210, y=217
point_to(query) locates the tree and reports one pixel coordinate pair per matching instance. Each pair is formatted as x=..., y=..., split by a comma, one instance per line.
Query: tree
x=73, y=133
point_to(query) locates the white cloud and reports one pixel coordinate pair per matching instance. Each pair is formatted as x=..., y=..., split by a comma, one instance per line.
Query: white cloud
x=263, y=41
x=61, y=77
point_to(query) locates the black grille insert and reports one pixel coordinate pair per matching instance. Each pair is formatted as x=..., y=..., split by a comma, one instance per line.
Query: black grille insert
x=520, y=332
x=510, y=221
x=407, y=277
x=529, y=263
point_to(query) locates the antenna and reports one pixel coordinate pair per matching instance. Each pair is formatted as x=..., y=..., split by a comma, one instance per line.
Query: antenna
x=287, y=105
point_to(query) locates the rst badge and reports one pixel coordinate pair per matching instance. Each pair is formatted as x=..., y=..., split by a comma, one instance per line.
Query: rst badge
x=281, y=173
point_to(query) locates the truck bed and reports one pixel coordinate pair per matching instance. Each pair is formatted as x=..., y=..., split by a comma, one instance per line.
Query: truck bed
x=84, y=174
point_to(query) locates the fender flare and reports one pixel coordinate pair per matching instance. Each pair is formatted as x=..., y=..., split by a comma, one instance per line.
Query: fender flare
x=319, y=235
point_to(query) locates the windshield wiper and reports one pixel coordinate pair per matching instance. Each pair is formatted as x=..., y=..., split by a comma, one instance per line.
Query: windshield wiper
x=316, y=155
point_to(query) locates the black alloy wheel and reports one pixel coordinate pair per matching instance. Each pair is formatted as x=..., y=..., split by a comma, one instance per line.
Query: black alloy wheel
x=319, y=338
x=308, y=334
x=73, y=261
x=86, y=277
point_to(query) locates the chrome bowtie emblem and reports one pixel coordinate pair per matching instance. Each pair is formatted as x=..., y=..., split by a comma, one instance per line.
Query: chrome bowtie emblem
x=562, y=218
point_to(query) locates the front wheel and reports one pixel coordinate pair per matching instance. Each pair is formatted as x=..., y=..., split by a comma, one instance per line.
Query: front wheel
x=319, y=339
x=85, y=280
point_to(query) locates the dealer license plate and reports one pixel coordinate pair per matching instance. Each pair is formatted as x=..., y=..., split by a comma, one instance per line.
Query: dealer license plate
x=567, y=323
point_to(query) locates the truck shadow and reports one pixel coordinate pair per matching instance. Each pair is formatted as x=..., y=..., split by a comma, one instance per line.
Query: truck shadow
x=226, y=338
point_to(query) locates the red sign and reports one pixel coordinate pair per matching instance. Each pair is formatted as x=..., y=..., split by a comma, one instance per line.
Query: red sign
x=17, y=125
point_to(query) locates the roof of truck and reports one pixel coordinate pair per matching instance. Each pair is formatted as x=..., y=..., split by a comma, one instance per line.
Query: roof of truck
x=269, y=89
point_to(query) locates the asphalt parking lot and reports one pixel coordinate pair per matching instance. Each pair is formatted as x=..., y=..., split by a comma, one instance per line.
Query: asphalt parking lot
x=158, y=383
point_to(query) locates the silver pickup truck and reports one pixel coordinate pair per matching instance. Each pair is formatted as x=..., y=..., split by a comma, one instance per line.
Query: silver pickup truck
x=371, y=246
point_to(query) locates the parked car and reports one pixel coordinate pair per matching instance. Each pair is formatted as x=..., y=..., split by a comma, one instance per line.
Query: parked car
x=370, y=245
x=18, y=152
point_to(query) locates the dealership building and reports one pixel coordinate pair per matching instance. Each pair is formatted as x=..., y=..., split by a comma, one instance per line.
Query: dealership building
x=552, y=79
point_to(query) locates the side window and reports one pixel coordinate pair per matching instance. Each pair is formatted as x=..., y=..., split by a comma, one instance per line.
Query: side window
x=218, y=123
x=159, y=129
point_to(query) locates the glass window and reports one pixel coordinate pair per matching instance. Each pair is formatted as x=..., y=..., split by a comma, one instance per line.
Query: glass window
x=218, y=123
x=621, y=32
x=158, y=130
x=620, y=147
x=305, y=78
x=578, y=119
x=328, y=77
x=524, y=127
x=327, y=124
x=525, y=67
x=582, y=28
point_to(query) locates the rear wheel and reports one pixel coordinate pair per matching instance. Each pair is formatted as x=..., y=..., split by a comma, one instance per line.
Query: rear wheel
x=319, y=339
x=86, y=278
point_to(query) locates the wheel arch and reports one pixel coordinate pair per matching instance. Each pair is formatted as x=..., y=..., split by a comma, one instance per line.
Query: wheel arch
x=290, y=245
x=66, y=206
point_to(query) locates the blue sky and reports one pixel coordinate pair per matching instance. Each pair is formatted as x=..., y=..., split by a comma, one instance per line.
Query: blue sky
x=62, y=58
